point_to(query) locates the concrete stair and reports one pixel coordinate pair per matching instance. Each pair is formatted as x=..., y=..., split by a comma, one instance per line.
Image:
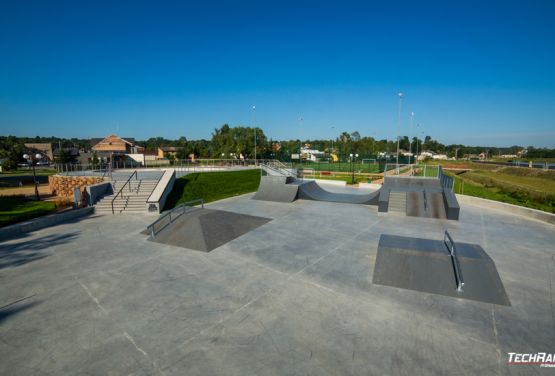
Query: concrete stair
x=131, y=200
x=397, y=202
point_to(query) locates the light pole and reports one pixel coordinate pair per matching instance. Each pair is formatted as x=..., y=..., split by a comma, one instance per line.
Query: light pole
x=400, y=94
x=254, y=127
x=416, y=156
x=410, y=141
x=353, y=159
x=332, y=130
x=30, y=159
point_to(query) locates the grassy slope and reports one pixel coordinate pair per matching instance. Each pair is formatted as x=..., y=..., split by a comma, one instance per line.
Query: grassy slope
x=15, y=209
x=212, y=186
x=344, y=167
x=518, y=186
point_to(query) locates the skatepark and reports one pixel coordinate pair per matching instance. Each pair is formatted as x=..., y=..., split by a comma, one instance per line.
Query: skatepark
x=307, y=286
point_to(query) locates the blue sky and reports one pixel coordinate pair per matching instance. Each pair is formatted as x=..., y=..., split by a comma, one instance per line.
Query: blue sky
x=473, y=72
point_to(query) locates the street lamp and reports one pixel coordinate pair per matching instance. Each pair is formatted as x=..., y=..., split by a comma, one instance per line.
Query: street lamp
x=410, y=141
x=333, y=131
x=400, y=94
x=254, y=126
x=353, y=158
x=32, y=160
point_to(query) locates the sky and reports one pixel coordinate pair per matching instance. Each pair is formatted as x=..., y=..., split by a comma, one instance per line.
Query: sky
x=472, y=72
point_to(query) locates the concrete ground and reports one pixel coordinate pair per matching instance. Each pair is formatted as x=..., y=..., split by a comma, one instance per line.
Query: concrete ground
x=292, y=297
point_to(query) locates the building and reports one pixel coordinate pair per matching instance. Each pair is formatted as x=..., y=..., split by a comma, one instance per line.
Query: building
x=117, y=149
x=115, y=144
x=169, y=152
x=311, y=154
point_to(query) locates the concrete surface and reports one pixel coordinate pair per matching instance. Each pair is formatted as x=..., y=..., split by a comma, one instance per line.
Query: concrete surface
x=21, y=228
x=292, y=297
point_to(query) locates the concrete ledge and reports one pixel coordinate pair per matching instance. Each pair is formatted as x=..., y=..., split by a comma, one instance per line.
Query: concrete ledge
x=42, y=222
x=339, y=183
x=514, y=209
x=373, y=186
x=157, y=199
x=97, y=191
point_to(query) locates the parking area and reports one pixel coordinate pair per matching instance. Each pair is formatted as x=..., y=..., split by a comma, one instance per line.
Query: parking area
x=293, y=296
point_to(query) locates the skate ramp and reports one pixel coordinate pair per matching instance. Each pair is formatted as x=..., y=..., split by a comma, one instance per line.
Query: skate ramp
x=204, y=229
x=277, y=188
x=312, y=191
x=425, y=265
x=426, y=204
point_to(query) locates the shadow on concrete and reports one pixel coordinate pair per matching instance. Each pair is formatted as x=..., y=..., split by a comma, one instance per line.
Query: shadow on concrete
x=16, y=254
x=11, y=310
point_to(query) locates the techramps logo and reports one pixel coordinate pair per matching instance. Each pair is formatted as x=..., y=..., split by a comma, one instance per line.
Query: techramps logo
x=541, y=359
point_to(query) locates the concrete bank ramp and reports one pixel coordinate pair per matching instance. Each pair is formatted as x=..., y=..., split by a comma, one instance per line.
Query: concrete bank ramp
x=277, y=188
x=424, y=265
x=206, y=229
x=312, y=191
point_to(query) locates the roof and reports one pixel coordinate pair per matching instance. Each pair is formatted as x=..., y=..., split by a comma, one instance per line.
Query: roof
x=170, y=148
x=129, y=140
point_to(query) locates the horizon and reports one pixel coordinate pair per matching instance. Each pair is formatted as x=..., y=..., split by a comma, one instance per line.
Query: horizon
x=473, y=74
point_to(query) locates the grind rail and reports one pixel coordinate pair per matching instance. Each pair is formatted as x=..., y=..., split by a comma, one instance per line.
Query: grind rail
x=450, y=244
x=172, y=215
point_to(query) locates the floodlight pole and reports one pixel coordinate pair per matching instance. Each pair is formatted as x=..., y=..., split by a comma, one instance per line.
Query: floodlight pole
x=400, y=94
x=254, y=128
x=31, y=159
x=410, y=141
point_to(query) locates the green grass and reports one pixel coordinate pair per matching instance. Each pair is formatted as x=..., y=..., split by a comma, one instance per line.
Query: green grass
x=212, y=186
x=345, y=178
x=15, y=209
x=506, y=187
x=38, y=172
x=341, y=167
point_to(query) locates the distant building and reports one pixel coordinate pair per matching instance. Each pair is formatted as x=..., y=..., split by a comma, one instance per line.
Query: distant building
x=168, y=151
x=311, y=154
x=116, y=145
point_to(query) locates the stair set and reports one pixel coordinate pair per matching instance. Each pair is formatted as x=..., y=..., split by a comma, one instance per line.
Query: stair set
x=132, y=199
x=397, y=202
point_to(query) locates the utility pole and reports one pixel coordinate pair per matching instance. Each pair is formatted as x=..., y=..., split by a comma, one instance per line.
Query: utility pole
x=254, y=128
x=410, y=141
x=400, y=94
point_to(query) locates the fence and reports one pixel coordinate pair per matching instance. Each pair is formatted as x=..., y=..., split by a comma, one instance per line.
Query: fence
x=413, y=170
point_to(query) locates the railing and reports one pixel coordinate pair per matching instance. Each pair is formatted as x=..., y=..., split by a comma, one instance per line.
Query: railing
x=446, y=181
x=178, y=211
x=120, y=192
x=278, y=167
x=450, y=244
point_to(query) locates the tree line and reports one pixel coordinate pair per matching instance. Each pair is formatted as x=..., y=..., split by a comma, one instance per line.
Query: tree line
x=239, y=142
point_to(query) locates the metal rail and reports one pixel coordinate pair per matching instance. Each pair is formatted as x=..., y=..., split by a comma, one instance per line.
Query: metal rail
x=178, y=211
x=450, y=244
x=120, y=192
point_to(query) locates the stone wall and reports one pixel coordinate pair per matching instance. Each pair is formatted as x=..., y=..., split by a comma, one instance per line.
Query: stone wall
x=64, y=185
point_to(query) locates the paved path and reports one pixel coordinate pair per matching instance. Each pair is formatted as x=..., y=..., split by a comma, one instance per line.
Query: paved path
x=293, y=297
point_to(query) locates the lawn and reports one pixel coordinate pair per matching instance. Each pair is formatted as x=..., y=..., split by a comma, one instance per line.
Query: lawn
x=212, y=186
x=15, y=209
x=518, y=186
x=342, y=167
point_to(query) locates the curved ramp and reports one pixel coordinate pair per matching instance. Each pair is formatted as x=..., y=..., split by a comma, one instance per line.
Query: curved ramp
x=312, y=191
x=277, y=188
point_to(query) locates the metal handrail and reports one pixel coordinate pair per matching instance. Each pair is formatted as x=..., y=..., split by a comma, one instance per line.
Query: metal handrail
x=455, y=260
x=123, y=186
x=183, y=208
